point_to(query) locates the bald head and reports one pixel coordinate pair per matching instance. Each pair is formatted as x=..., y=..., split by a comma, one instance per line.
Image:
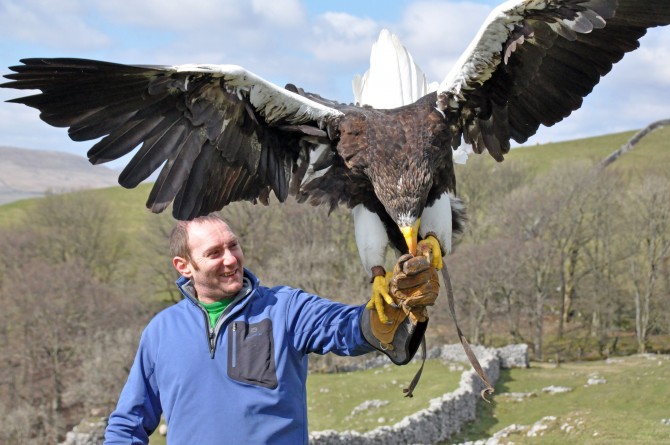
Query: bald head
x=179, y=235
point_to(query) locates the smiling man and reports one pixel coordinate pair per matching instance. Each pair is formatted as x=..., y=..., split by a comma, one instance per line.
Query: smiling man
x=211, y=256
x=228, y=364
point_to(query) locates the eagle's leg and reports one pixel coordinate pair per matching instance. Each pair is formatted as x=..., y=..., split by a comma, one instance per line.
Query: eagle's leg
x=372, y=239
x=380, y=294
x=430, y=246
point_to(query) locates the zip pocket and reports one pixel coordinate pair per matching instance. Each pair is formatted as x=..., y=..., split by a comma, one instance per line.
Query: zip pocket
x=233, y=360
x=251, y=357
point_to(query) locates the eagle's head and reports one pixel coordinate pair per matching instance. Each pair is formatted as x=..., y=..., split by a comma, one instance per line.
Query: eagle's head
x=401, y=153
x=402, y=183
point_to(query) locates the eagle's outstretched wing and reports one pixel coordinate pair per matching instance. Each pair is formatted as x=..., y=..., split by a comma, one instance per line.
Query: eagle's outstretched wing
x=220, y=133
x=533, y=61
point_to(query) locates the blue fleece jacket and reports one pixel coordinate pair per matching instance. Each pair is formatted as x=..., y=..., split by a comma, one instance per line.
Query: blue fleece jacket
x=242, y=381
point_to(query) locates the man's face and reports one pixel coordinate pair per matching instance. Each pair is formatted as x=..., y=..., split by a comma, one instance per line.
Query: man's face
x=215, y=267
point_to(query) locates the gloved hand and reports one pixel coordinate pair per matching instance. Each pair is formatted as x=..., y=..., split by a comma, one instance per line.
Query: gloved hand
x=414, y=285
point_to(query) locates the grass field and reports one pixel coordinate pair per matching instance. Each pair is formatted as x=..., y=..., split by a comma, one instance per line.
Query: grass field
x=627, y=407
x=625, y=403
x=331, y=398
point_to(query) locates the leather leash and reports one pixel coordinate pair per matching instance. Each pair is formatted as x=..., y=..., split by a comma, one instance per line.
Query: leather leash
x=466, y=346
x=409, y=391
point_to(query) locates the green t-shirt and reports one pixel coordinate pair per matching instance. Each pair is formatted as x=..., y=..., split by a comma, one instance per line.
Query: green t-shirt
x=214, y=310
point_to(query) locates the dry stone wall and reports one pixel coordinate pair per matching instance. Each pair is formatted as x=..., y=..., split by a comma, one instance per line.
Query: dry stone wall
x=446, y=414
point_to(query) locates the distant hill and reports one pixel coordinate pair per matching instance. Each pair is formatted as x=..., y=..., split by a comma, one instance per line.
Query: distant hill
x=28, y=173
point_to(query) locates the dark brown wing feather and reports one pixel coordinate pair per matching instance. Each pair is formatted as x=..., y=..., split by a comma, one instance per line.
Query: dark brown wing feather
x=569, y=70
x=545, y=67
x=213, y=146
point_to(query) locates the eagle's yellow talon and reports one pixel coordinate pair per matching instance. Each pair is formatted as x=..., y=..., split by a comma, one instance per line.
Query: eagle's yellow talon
x=433, y=246
x=380, y=295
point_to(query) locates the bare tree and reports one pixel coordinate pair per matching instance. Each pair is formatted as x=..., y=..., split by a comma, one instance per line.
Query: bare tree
x=105, y=364
x=573, y=189
x=485, y=277
x=77, y=225
x=56, y=293
x=649, y=215
x=482, y=183
x=260, y=228
x=154, y=261
x=528, y=216
x=305, y=257
x=602, y=260
x=54, y=312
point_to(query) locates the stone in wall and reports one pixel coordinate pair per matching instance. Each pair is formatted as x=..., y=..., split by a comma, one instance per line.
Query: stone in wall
x=91, y=431
x=513, y=356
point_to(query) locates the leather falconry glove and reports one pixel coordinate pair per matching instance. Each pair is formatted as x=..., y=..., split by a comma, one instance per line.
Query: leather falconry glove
x=414, y=285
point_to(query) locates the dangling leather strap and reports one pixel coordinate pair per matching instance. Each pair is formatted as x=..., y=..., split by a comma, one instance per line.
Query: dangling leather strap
x=409, y=391
x=466, y=346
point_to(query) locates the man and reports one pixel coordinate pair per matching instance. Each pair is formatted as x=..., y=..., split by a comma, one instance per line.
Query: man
x=228, y=364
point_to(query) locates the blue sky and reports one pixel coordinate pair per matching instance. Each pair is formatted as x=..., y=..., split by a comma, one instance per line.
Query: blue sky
x=318, y=45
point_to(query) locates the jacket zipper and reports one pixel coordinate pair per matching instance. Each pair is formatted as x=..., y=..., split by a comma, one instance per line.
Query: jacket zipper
x=234, y=352
x=212, y=333
x=211, y=338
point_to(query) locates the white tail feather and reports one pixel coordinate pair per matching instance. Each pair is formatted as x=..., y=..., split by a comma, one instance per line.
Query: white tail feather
x=393, y=79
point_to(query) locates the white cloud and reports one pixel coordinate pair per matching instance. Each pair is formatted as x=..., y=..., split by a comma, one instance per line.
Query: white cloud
x=49, y=23
x=650, y=63
x=436, y=33
x=175, y=15
x=205, y=17
x=206, y=31
x=341, y=38
x=285, y=13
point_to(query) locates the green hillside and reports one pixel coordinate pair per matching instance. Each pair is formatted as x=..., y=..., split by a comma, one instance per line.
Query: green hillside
x=652, y=154
x=128, y=203
x=594, y=149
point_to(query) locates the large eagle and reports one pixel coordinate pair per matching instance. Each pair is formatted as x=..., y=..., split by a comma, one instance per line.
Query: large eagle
x=223, y=134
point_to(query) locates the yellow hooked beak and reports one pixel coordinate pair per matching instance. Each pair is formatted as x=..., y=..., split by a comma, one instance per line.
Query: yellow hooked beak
x=411, y=234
